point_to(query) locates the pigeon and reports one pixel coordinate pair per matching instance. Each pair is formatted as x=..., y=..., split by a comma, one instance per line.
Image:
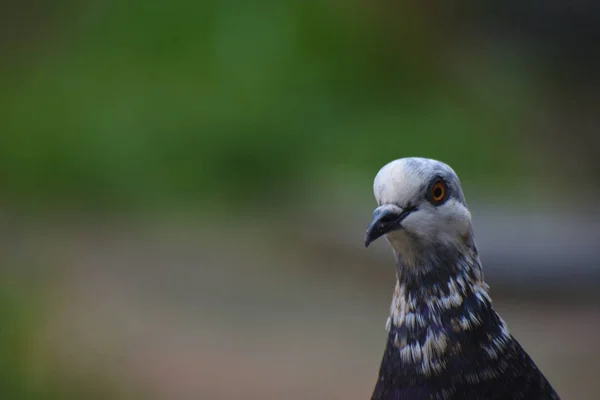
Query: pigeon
x=445, y=340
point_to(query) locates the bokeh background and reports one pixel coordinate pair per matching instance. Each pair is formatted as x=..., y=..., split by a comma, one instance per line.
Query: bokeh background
x=184, y=187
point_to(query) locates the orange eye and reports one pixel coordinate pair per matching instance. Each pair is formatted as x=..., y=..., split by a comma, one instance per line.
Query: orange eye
x=438, y=191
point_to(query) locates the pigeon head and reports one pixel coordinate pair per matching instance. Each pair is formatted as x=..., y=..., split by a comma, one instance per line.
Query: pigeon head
x=421, y=208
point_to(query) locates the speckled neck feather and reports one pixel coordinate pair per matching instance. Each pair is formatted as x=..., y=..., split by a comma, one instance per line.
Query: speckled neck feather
x=446, y=341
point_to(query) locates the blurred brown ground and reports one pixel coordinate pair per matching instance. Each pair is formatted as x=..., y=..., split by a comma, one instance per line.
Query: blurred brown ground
x=182, y=310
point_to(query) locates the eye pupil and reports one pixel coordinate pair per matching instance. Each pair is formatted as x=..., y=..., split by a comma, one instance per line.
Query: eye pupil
x=438, y=192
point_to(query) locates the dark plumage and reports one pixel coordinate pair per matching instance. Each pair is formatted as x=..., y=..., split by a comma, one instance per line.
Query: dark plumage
x=445, y=340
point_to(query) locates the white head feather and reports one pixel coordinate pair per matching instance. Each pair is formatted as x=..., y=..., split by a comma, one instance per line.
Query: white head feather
x=404, y=183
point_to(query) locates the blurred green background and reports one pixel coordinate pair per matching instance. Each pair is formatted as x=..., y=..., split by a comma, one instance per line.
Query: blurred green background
x=184, y=186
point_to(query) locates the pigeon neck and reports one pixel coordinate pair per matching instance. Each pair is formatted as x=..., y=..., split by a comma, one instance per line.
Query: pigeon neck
x=445, y=340
x=435, y=310
x=439, y=285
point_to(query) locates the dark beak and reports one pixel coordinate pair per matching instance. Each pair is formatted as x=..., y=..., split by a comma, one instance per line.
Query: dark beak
x=386, y=218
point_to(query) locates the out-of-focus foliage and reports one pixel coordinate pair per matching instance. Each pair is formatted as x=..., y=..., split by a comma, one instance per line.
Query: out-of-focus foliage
x=141, y=102
x=14, y=334
x=25, y=373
